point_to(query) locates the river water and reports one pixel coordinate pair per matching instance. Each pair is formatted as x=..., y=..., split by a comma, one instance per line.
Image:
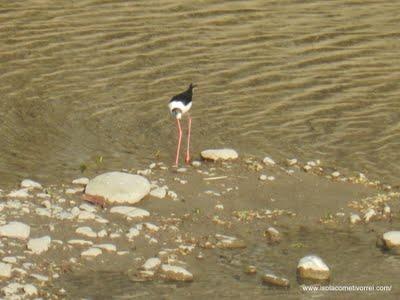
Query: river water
x=83, y=82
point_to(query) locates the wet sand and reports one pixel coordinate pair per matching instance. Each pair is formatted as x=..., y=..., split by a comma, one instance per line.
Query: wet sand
x=310, y=211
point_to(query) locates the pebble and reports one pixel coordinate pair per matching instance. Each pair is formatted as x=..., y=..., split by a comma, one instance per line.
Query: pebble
x=88, y=207
x=273, y=235
x=130, y=211
x=5, y=270
x=85, y=215
x=107, y=247
x=172, y=195
x=228, y=242
x=181, y=170
x=219, y=154
x=16, y=230
x=30, y=290
x=133, y=232
x=159, y=192
x=271, y=178
x=196, y=163
x=369, y=215
x=118, y=187
x=10, y=259
x=274, y=280
x=22, y=193
x=313, y=267
x=146, y=172
x=152, y=264
x=30, y=184
x=86, y=231
x=39, y=245
x=176, y=273
x=251, y=270
x=45, y=212
x=81, y=181
x=263, y=177
x=291, y=162
x=219, y=207
x=391, y=239
x=91, y=252
x=80, y=242
x=268, y=161
x=335, y=174
x=40, y=277
x=355, y=219
x=102, y=233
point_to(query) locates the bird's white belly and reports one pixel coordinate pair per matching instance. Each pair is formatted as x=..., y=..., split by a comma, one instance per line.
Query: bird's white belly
x=179, y=105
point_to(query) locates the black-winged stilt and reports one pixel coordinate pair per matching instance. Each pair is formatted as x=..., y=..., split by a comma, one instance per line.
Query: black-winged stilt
x=178, y=106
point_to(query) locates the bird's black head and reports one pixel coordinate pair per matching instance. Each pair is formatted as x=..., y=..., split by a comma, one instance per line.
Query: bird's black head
x=192, y=86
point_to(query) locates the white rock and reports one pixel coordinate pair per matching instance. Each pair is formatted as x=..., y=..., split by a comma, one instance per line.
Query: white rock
x=196, y=163
x=73, y=191
x=176, y=273
x=219, y=207
x=16, y=230
x=22, y=193
x=159, y=192
x=86, y=231
x=291, y=162
x=118, y=187
x=88, y=207
x=10, y=259
x=355, y=218
x=81, y=181
x=30, y=290
x=263, y=177
x=102, y=233
x=313, y=267
x=151, y=227
x=40, y=277
x=85, y=215
x=268, y=161
x=91, y=252
x=219, y=154
x=172, y=195
x=271, y=178
x=392, y=239
x=130, y=211
x=133, y=232
x=151, y=264
x=30, y=184
x=39, y=245
x=335, y=174
x=43, y=212
x=5, y=270
x=80, y=242
x=370, y=213
x=107, y=247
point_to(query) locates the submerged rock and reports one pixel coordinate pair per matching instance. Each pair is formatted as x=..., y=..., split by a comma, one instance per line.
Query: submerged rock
x=273, y=235
x=274, y=280
x=229, y=242
x=118, y=187
x=159, y=192
x=268, y=161
x=313, y=267
x=39, y=245
x=355, y=219
x=22, y=193
x=176, y=273
x=219, y=154
x=16, y=230
x=369, y=215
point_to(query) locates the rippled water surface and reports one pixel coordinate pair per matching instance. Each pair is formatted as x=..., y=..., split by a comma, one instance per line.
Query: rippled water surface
x=84, y=79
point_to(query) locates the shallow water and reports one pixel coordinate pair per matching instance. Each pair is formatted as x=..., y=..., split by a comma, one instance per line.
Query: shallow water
x=89, y=79
x=86, y=83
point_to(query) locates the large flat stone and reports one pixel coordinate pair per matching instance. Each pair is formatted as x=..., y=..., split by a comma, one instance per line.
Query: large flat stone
x=117, y=187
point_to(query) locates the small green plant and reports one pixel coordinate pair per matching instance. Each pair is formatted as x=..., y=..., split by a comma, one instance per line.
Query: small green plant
x=82, y=167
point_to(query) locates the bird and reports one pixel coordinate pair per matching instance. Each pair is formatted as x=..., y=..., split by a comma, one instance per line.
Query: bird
x=179, y=105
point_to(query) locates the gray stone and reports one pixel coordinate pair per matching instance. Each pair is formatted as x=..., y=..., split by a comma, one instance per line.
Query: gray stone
x=274, y=280
x=176, y=273
x=30, y=184
x=39, y=245
x=118, y=187
x=5, y=270
x=130, y=211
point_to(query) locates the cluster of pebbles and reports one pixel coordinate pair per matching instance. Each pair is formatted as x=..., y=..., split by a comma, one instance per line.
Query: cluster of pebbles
x=47, y=231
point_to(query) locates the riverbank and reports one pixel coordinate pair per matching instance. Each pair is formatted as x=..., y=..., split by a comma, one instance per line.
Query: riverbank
x=214, y=221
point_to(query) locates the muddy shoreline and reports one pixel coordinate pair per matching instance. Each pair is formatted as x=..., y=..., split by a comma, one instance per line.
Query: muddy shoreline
x=310, y=208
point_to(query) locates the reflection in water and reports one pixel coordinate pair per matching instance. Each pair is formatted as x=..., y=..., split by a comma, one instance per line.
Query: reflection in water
x=311, y=79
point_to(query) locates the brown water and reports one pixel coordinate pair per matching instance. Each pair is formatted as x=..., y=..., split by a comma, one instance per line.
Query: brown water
x=307, y=79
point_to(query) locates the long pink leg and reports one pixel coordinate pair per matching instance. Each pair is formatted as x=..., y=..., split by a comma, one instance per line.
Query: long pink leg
x=188, y=140
x=179, y=141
